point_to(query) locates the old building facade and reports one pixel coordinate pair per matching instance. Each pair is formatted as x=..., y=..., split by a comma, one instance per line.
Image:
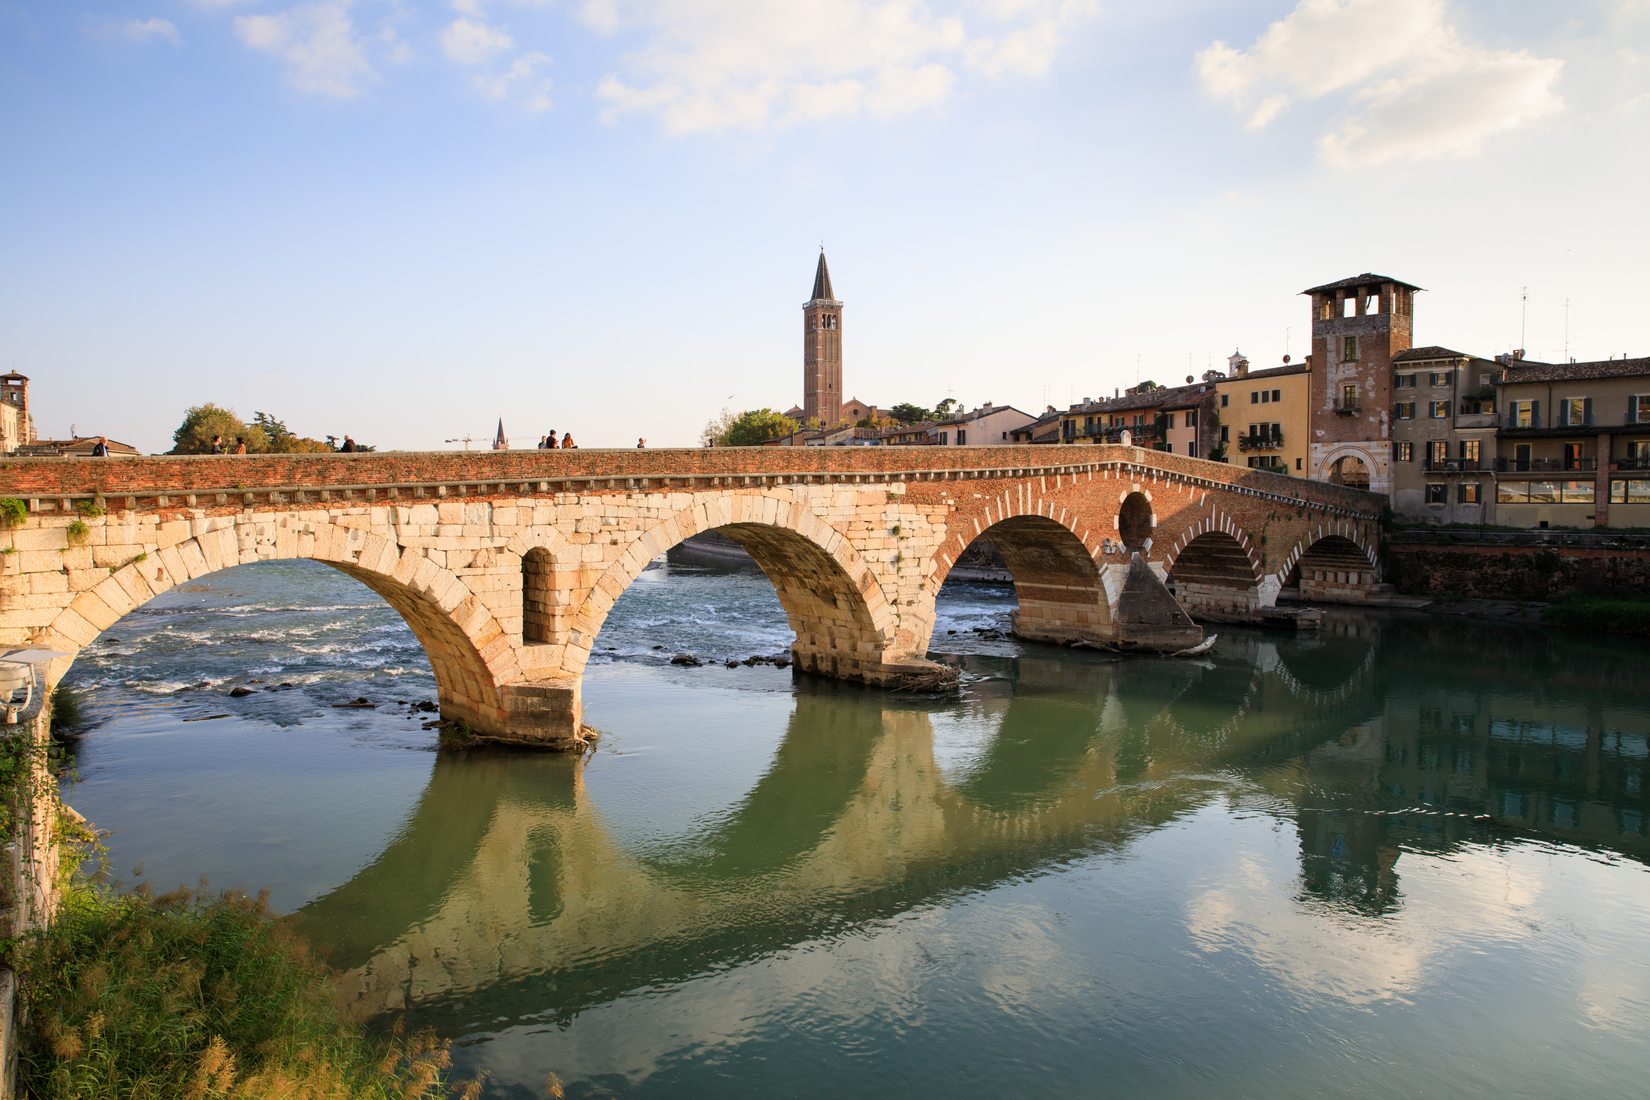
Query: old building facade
x=1443, y=436
x=1263, y=416
x=1358, y=325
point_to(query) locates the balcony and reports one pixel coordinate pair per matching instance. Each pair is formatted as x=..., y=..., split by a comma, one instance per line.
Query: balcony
x=1454, y=465
x=1269, y=442
x=1631, y=462
x=1545, y=465
x=1344, y=407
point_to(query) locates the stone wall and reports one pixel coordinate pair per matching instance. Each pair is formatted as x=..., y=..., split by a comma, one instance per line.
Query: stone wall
x=29, y=866
x=1517, y=572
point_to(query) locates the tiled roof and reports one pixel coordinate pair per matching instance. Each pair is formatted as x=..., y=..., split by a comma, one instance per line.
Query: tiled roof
x=977, y=414
x=1527, y=371
x=1152, y=399
x=1432, y=351
x=1366, y=279
x=1269, y=372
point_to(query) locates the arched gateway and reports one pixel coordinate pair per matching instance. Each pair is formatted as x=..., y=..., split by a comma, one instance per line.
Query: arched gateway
x=506, y=564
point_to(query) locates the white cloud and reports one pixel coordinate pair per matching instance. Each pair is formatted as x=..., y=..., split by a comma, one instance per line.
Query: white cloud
x=473, y=42
x=1416, y=91
x=141, y=31
x=1423, y=115
x=317, y=42
x=708, y=65
x=520, y=83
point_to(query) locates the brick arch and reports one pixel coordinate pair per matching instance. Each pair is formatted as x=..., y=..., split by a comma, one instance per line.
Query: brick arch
x=1008, y=505
x=831, y=595
x=452, y=624
x=1054, y=562
x=1216, y=522
x=1333, y=529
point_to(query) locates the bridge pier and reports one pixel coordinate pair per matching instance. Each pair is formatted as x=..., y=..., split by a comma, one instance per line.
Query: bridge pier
x=540, y=714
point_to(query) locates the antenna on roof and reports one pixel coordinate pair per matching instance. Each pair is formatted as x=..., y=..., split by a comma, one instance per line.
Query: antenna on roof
x=1566, y=330
x=1523, y=313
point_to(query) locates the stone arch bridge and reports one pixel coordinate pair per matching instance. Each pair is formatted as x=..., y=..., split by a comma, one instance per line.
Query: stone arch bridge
x=505, y=565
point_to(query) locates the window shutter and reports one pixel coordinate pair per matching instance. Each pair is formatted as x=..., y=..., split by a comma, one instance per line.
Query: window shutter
x=1535, y=414
x=1587, y=410
x=1564, y=411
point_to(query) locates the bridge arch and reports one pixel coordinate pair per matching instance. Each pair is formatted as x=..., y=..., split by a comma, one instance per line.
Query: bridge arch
x=1054, y=564
x=844, y=624
x=462, y=640
x=1214, y=568
x=1333, y=562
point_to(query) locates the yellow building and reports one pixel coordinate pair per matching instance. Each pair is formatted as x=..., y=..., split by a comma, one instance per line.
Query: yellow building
x=1264, y=417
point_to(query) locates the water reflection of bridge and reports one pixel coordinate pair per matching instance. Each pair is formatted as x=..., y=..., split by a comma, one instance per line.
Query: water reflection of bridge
x=507, y=877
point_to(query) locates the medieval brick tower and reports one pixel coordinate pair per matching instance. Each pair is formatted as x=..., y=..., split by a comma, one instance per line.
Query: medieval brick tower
x=1358, y=325
x=822, y=351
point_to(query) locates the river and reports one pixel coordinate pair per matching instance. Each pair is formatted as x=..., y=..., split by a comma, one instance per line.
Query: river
x=1404, y=856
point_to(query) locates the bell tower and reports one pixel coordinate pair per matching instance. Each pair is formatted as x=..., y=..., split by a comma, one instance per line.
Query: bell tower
x=822, y=351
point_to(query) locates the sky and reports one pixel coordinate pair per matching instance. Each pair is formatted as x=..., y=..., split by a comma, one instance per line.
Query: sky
x=406, y=220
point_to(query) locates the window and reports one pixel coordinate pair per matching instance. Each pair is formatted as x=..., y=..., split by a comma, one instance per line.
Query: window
x=1512, y=492
x=945, y=438
x=1623, y=491
x=1349, y=306
x=1403, y=410
x=1525, y=414
x=1225, y=435
x=1437, y=453
x=1575, y=412
x=1638, y=409
x=1469, y=451
x=1372, y=304
x=1577, y=492
x=1168, y=448
x=1521, y=456
x=1402, y=380
x=1574, y=456
x=1467, y=493
x=1440, y=378
x=1168, y=420
x=1297, y=463
x=1349, y=349
x=1191, y=418
x=1438, y=410
x=962, y=437
x=1349, y=395
x=1225, y=400
x=1437, y=493
x=1191, y=449
x=1638, y=453
x=1277, y=395
x=1254, y=397
x=1403, y=452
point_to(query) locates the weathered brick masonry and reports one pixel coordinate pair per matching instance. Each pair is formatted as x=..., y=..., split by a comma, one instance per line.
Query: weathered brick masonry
x=505, y=565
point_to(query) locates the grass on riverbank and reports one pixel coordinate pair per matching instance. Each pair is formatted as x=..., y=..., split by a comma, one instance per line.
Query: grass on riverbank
x=128, y=995
x=1604, y=614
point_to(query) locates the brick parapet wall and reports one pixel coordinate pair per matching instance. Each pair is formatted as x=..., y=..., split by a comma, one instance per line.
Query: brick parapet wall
x=483, y=474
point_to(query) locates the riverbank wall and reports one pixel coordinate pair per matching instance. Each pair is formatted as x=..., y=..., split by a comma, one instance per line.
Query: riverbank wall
x=1517, y=565
x=31, y=858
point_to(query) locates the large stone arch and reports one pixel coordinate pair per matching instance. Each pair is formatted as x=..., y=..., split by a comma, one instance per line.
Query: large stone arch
x=468, y=652
x=1336, y=563
x=844, y=624
x=1327, y=464
x=1053, y=560
x=1215, y=570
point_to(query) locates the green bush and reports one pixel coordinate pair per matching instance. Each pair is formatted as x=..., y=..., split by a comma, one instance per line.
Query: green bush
x=183, y=996
x=1604, y=614
x=12, y=512
x=91, y=509
x=77, y=530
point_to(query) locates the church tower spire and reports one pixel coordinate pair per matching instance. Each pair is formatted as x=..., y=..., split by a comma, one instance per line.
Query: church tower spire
x=822, y=351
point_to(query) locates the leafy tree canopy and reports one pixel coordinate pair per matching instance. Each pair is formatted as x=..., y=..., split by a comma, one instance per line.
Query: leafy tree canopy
x=264, y=435
x=907, y=413
x=747, y=429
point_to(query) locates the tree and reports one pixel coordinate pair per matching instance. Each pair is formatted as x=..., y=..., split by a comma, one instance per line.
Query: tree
x=202, y=422
x=1147, y=386
x=907, y=413
x=943, y=409
x=747, y=429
